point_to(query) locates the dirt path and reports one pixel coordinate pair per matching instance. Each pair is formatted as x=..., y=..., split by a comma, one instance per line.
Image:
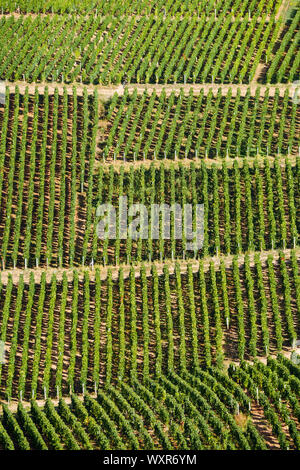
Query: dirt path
x=106, y=92
x=209, y=162
x=259, y=69
x=58, y=272
x=283, y=9
x=13, y=404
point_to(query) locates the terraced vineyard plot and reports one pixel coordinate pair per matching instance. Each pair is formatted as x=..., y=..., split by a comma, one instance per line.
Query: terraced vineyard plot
x=140, y=49
x=213, y=126
x=283, y=65
x=165, y=413
x=248, y=208
x=234, y=218
x=88, y=331
x=45, y=143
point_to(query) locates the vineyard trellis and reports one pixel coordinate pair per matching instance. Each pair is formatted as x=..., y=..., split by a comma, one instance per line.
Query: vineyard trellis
x=148, y=340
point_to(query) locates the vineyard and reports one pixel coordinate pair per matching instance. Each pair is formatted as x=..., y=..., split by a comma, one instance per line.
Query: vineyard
x=54, y=223
x=112, y=50
x=122, y=417
x=172, y=333
x=205, y=126
x=77, y=331
x=142, y=7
